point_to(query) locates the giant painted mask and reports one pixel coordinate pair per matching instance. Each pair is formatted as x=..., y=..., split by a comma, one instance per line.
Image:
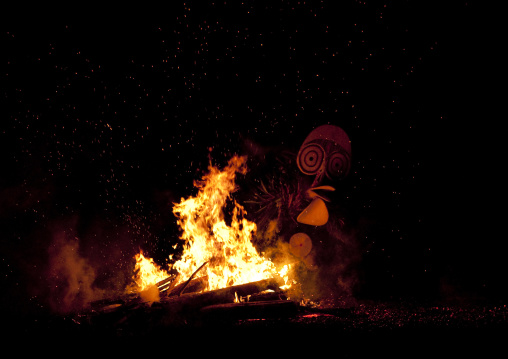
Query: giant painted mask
x=326, y=155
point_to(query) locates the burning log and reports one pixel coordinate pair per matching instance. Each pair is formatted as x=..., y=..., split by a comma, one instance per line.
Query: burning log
x=187, y=307
x=197, y=285
x=192, y=286
x=224, y=295
x=132, y=313
x=267, y=295
x=190, y=278
x=165, y=284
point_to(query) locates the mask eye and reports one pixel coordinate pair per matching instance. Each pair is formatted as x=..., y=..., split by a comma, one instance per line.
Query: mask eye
x=310, y=158
x=337, y=166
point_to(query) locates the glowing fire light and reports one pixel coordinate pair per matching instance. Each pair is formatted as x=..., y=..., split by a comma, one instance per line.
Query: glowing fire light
x=227, y=250
x=147, y=273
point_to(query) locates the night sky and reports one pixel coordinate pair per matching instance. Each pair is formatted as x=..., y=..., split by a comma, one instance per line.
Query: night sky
x=105, y=124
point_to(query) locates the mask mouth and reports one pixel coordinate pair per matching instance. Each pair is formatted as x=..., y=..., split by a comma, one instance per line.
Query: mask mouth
x=319, y=192
x=316, y=213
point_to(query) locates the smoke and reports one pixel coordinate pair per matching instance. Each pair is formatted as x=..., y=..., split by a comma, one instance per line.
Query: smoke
x=334, y=278
x=70, y=276
x=151, y=294
x=329, y=274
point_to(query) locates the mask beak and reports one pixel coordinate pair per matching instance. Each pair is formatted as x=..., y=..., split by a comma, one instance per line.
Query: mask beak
x=318, y=192
x=316, y=213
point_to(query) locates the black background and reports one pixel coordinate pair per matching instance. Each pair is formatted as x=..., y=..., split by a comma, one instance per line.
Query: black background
x=105, y=124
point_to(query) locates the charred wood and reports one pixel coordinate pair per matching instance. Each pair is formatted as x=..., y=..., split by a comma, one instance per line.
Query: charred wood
x=190, y=278
x=167, y=286
x=187, y=306
x=266, y=296
x=195, y=285
x=223, y=313
x=174, y=310
x=223, y=295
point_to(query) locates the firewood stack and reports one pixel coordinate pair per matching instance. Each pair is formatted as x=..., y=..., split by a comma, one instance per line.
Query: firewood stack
x=187, y=305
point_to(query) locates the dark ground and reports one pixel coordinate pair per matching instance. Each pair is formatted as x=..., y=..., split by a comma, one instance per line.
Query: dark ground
x=365, y=330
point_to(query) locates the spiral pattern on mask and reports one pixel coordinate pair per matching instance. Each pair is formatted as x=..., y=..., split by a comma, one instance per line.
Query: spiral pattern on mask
x=311, y=158
x=337, y=165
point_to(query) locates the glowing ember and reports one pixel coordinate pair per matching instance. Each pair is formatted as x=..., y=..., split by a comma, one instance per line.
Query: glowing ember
x=226, y=248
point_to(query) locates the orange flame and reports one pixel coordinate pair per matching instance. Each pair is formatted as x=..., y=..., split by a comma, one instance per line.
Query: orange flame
x=227, y=250
x=147, y=273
